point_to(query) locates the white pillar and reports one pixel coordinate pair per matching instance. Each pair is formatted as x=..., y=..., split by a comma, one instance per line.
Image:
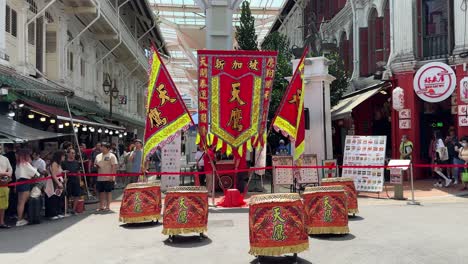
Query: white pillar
x=62, y=38
x=22, y=16
x=460, y=27
x=404, y=24
x=317, y=100
x=2, y=31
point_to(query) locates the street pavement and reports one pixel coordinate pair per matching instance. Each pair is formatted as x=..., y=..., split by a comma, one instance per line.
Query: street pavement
x=385, y=231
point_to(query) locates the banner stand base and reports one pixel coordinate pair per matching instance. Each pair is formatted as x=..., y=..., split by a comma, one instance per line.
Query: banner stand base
x=413, y=203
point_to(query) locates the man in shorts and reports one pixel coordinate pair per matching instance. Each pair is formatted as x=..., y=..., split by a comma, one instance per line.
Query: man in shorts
x=5, y=177
x=106, y=163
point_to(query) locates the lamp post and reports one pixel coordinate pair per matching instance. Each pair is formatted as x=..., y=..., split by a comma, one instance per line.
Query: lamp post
x=110, y=89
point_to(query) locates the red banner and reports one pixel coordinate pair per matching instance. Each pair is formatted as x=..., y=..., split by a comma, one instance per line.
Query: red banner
x=166, y=113
x=234, y=91
x=290, y=118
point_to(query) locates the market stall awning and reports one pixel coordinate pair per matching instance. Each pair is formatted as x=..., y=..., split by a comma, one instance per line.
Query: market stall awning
x=104, y=123
x=15, y=132
x=345, y=106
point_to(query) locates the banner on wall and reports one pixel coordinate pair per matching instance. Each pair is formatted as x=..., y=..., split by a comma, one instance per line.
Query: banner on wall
x=365, y=151
x=234, y=91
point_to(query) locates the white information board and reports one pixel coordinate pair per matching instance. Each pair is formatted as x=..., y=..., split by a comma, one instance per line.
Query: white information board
x=309, y=175
x=170, y=162
x=365, y=151
x=282, y=176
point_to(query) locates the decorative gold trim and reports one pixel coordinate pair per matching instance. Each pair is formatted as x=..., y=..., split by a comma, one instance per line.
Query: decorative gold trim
x=275, y=197
x=141, y=185
x=277, y=251
x=338, y=230
x=318, y=189
x=353, y=211
x=178, y=231
x=179, y=189
x=342, y=179
x=140, y=219
x=155, y=66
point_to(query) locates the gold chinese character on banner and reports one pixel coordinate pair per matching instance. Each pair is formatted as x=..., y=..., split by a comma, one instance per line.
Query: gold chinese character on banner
x=203, y=117
x=270, y=74
x=203, y=62
x=278, y=228
x=236, y=65
x=204, y=72
x=203, y=94
x=296, y=98
x=267, y=93
x=327, y=216
x=253, y=65
x=219, y=64
x=235, y=92
x=162, y=94
x=270, y=63
x=156, y=119
x=182, y=218
x=268, y=83
x=235, y=119
x=203, y=83
x=203, y=106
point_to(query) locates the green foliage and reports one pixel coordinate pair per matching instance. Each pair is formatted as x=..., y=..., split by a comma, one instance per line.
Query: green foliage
x=280, y=43
x=339, y=86
x=245, y=32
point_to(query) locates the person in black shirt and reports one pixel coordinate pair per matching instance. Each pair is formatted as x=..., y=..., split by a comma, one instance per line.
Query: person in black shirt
x=71, y=165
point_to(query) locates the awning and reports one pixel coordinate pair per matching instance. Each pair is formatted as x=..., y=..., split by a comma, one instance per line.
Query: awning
x=104, y=123
x=345, y=106
x=15, y=132
x=128, y=120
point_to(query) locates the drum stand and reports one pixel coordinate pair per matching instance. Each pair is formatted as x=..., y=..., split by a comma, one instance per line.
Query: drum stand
x=172, y=237
x=294, y=258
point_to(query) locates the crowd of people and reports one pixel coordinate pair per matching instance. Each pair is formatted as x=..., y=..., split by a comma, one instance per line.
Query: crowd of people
x=60, y=195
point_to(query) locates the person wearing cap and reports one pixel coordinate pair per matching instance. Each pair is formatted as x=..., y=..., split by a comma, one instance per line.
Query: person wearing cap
x=282, y=150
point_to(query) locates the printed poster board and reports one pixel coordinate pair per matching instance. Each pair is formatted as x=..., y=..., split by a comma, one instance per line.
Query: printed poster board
x=365, y=151
x=309, y=175
x=396, y=176
x=170, y=162
x=329, y=172
x=282, y=176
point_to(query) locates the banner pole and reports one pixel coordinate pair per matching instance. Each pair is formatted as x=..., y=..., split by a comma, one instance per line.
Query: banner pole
x=412, y=202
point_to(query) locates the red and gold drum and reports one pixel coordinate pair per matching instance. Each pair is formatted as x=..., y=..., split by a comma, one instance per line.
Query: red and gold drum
x=326, y=210
x=276, y=225
x=185, y=210
x=141, y=203
x=350, y=191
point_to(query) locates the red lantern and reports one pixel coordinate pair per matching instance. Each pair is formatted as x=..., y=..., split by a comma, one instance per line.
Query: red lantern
x=398, y=99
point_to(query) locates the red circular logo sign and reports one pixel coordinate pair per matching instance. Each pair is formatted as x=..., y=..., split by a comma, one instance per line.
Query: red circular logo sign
x=434, y=82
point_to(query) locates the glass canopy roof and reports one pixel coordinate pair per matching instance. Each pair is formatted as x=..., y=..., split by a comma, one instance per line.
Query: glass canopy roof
x=178, y=15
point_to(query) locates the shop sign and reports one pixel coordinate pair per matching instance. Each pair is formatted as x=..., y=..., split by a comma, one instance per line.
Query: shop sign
x=464, y=89
x=463, y=110
x=396, y=176
x=434, y=82
x=405, y=124
x=404, y=114
x=463, y=121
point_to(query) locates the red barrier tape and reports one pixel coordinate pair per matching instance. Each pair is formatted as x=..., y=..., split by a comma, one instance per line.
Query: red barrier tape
x=237, y=171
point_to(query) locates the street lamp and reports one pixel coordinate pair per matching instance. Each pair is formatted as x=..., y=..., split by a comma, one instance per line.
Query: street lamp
x=110, y=88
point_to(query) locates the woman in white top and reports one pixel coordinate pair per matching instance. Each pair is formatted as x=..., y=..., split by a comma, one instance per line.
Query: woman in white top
x=440, y=157
x=24, y=172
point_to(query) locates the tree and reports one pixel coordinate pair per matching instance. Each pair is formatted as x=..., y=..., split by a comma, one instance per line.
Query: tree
x=280, y=43
x=245, y=32
x=339, y=86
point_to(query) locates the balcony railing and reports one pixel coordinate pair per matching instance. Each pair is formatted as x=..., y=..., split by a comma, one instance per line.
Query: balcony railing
x=110, y=12
x=435, y=47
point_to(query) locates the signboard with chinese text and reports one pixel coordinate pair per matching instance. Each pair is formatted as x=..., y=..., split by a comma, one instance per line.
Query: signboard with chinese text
x=170, y=162
x=405, y=124
x=463, y=110
x=309, y=175
x=404, y=113
x=463, y=121
x=463, y=87
x=434, y=82
x=282, y=176
x=365, y=151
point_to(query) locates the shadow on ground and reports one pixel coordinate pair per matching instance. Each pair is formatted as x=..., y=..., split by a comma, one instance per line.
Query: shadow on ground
x=188, y=241
x=279, y=260
x=329, y=237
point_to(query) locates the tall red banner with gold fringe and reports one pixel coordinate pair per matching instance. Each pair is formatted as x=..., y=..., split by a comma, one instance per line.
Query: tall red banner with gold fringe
x=234, y=91
x=289, y=118
x=166, y=113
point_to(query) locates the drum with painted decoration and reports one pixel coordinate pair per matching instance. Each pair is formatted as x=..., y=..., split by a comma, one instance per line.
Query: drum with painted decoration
x=141, y=203
x=350, y=190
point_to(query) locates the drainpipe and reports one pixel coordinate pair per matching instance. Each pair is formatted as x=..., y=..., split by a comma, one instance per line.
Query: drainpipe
x=355, y=37
x=26, y=29
x=118, y=30
x=97, y=4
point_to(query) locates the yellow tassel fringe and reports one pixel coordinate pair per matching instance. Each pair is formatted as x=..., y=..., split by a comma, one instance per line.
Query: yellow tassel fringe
x=277, y=251
x=178, y=231
x=353, y=211
x=338, y=230
x=140, y=219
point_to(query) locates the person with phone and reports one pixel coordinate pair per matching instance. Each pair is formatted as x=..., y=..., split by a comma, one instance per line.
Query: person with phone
x=106, y=164
x=5, y=176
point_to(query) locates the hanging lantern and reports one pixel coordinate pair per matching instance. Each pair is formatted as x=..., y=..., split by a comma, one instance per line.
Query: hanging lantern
x=398, y=99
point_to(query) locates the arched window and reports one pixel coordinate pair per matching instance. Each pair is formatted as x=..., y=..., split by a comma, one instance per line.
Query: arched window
x=375, y=41
x=32, y=6
x=437, y=20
